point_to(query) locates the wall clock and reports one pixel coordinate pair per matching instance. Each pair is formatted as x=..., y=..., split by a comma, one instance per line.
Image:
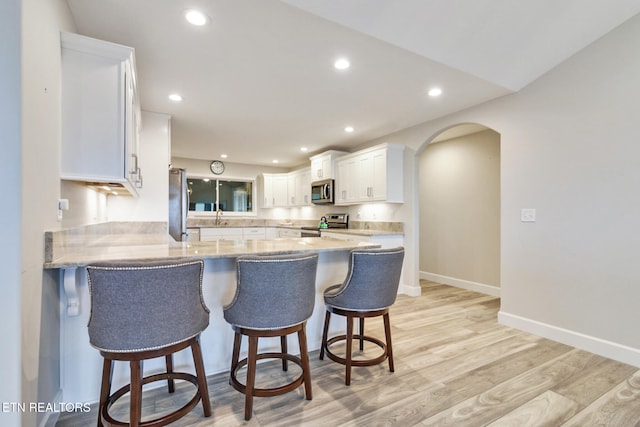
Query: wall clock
x=217, y=167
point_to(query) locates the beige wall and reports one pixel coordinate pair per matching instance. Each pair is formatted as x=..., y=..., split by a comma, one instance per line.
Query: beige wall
x=459, y=187
x=10, y=123
x=568, y=148
x=41, y=89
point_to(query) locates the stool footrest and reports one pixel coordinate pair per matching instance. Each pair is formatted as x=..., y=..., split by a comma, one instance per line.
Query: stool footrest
x=268, y=392
x=166, y=419
x=366, y=362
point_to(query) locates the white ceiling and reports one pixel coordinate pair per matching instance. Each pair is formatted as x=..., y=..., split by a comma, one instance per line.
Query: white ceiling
x=258, y=81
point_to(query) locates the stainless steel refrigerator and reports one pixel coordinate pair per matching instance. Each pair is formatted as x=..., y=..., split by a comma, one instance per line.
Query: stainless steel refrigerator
x=178, y=204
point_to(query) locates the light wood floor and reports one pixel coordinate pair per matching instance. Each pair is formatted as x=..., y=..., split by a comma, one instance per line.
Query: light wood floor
x=454, y=365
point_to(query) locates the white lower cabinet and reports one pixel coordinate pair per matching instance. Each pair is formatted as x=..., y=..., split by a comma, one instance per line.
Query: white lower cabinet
x=286, y=232
x=254, y=233
x=232, y=233
x=220, y=233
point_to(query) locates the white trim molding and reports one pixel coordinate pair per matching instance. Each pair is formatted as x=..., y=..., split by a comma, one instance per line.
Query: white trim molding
x=609, y=349
x=460, y=283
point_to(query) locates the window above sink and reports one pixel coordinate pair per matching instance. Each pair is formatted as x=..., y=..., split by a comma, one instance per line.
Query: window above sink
x=234, y=197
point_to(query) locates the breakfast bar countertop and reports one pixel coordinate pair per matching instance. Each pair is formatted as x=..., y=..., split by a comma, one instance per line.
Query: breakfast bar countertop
x=149, y=246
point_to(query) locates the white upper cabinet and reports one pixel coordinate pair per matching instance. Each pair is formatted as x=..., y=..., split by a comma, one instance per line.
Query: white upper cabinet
x=100, y=112
x=287, y=189
x=299, y=187
x=371, y=175
x=322, y=165
x=275, y=190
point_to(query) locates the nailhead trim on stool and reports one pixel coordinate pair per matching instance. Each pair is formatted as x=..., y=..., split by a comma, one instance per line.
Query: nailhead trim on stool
x=369, y=290
x=143, y=310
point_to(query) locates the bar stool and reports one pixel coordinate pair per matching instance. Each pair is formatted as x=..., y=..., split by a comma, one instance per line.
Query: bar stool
x=274, y=297
x=142, y=310
x=369, y=289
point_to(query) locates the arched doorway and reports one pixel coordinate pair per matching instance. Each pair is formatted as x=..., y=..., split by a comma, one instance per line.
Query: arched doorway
x=459, y=208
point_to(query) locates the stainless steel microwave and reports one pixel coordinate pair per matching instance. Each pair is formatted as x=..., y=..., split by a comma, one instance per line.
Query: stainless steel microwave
x=322, y=192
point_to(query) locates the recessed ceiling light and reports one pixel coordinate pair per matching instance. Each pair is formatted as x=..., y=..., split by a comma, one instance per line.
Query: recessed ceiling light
x=436, y=91
x=175, y=97
x=195, y=17
x=349, y=129
x=342, y=64
x=274, y=161
x=304, y=149
x=224, y=156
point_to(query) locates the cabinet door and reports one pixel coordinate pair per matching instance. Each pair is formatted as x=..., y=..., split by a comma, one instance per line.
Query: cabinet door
x=303, y=187
x=267, y=189
x=210, y=234
x=317, y=168
x=379, y=175
x=347, y=181
x=253, y=233
x=92, y=118
x=299, y=187
x=291, y=190
x=279, y=190
x=100, y=116
x=275, y=190
x=363, y=175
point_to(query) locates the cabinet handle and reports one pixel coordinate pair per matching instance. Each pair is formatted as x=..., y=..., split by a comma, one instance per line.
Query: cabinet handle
x=293, y=200
x=138, y=182
x=134, y=169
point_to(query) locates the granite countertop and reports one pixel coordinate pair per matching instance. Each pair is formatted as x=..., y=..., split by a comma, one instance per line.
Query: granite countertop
x=359, y=228
x=149, y=246
x=115, y=241
x=361, y=232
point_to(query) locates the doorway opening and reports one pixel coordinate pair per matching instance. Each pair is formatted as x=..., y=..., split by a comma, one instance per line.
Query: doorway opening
x=459, y=208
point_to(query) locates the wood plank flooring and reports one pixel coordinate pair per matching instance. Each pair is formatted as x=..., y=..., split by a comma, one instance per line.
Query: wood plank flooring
x=454, y=366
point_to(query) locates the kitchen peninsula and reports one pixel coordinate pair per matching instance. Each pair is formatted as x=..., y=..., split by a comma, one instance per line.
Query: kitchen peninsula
x=71, y=250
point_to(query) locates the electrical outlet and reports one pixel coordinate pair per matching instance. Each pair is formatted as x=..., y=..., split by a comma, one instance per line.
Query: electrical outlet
x=528, y=215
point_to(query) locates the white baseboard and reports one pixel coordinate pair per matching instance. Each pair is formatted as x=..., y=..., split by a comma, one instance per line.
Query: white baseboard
x=591, y=344
x=459, y=283
x=51, y=418
x=412, y=291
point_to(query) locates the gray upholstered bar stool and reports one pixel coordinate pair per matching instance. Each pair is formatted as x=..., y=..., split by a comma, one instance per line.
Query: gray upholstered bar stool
x=274, y=297
x=369, y=289
x=142, y=310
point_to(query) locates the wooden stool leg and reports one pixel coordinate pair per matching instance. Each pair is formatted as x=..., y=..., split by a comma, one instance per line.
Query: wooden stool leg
x=135, y=412
x=325, y=332
x=361, y=323
x=196, y=350
x=237, y=340
x=105, y=388
x=251, y=376
x=283, y=349
x=304, y=357
x=349, y=343
x=170, y=382
x=387, y=333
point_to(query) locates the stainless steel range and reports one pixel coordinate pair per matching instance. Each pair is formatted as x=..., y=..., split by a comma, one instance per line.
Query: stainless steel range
x=332, y=220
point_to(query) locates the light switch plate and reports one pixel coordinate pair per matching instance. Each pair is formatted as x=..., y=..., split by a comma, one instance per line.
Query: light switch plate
x=528, y=215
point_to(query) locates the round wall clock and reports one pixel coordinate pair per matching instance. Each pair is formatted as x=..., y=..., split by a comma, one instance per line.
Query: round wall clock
x=217, y=167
